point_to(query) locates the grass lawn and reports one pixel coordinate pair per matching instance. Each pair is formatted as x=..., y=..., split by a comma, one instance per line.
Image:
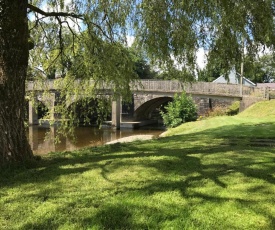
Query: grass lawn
x=217, y=173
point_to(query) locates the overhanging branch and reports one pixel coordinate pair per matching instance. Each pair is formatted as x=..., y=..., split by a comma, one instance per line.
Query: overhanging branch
x=67, y=14
x=54, y=14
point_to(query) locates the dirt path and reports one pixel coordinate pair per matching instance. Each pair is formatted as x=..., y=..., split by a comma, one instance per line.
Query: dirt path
x=131, y=138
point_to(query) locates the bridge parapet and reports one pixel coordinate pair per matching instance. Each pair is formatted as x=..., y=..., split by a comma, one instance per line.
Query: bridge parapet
x=205, y=88
x=58, y=84
x=41, y=85
x=172, y=86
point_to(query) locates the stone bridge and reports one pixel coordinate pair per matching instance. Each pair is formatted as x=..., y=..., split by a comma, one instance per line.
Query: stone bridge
x=148, y=95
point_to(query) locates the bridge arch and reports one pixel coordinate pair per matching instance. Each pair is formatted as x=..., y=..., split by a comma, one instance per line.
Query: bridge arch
x=145, y=111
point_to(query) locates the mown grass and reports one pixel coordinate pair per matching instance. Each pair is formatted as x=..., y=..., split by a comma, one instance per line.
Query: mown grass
x=211, y=174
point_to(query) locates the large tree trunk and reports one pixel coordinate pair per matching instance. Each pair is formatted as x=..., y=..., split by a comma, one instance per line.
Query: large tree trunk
x=14, y=146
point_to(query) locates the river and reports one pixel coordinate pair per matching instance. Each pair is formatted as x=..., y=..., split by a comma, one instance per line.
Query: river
x=42, y=139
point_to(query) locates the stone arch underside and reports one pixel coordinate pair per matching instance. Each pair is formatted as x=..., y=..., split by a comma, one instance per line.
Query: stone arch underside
x=144, y=111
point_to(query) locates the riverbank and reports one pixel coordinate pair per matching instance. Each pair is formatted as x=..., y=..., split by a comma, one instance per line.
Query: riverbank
x=211, y=174
x=131, y=139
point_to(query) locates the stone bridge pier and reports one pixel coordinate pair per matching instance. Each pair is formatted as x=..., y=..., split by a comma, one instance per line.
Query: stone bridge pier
x=116, y=113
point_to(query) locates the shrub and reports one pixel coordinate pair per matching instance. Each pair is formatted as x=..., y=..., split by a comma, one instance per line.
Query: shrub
x=233, y=109
x=217, y=111
x=182, y=109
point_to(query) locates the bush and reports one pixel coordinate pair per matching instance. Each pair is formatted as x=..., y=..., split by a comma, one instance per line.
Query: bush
x=217, y=111
x=182, y=109
x=233, y=108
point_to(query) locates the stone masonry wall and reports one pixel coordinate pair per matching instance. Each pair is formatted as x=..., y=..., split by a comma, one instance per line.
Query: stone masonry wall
x=204, y=105
x=248, y=101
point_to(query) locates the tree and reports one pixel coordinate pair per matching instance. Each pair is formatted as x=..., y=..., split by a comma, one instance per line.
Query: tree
x=13, y=66
x=209, y=73
x=141, y=64
x=176, y=73
x=260, y=69
x=182, y=109
x=166, y=30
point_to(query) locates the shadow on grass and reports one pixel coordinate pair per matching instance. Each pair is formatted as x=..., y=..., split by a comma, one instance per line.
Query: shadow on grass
x=203, y=156
x=111, y=216
x=179, y=146
x=46, y=222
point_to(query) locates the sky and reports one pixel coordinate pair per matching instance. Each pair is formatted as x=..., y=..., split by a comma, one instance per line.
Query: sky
x=201, y=58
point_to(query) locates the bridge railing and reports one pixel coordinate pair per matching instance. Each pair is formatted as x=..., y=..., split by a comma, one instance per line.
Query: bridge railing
x=261, y=92
x=57, y=84
x=207, y=88
x=174, y=86
x=157, y=85
x=40, y=85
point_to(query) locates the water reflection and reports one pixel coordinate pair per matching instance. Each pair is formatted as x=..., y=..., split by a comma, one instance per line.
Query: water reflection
x=42, y=139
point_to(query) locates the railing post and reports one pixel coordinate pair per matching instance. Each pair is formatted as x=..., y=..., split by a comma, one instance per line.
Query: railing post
x=266, y=93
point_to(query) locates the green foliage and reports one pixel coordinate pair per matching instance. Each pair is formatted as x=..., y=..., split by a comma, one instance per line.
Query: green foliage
x=182, y=109
x=234, y=108
x=217, y=111
x=260, y=69
x=173, y=72
x=209, y=73
x=142, y=66
x=52, y=55
x=176, y=30
x=172, y=31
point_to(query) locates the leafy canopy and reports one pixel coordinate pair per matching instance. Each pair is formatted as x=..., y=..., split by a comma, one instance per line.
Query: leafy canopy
x=174, y=30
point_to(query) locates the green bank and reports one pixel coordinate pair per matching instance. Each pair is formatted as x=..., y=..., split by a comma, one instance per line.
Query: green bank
x=217, y=173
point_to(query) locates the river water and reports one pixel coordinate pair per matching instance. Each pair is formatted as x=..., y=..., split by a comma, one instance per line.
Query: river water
x=42, y=140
